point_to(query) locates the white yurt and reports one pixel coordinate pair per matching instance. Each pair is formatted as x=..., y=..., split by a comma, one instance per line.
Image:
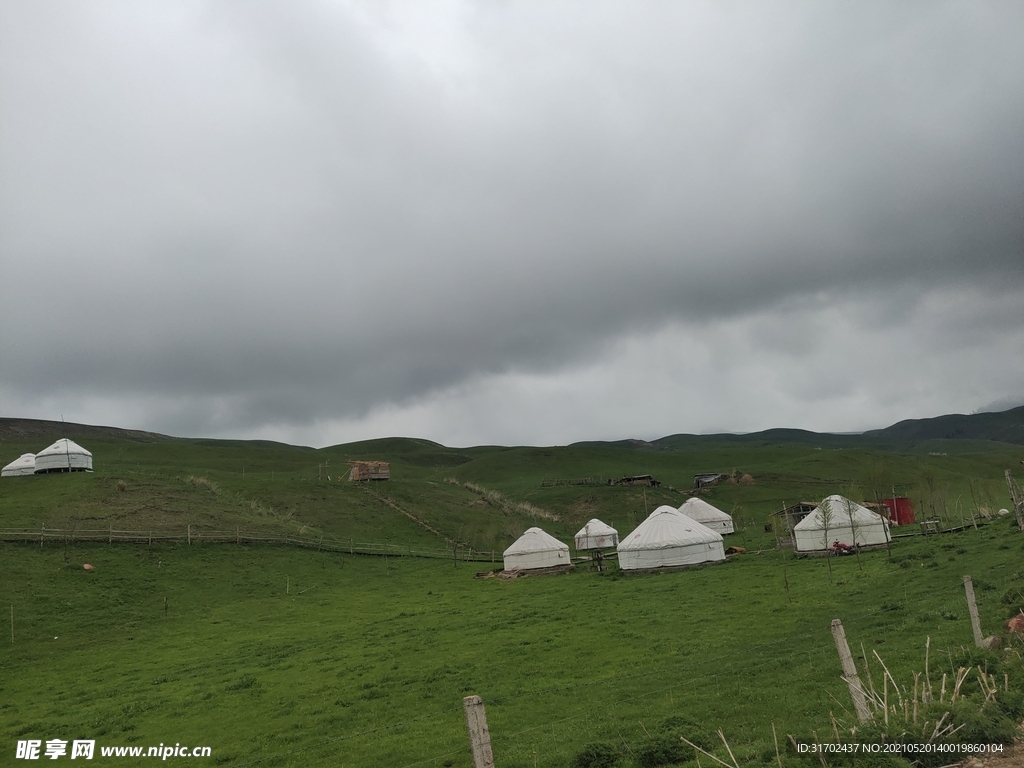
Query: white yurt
x=668, y=538
x=536, y=549
x=839, y=519
x=707, y=515
x=23, y=465
x=596, y=535
x=63, y=456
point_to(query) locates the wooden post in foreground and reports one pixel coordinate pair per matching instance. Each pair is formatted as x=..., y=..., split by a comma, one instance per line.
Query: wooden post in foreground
x=850, y=672
x=972, y=608
x=479, y=736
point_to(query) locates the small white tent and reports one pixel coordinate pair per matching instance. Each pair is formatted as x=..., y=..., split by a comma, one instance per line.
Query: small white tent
x=668, y=538
x=63, y=456
x=596, y=535
x=839, y=519
x=536, y=549
x=23, y=465
x=707, y=515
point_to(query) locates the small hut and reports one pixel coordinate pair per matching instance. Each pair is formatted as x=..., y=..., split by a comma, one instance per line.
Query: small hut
x=840, y=519
x=785, y=521
x=596, y=535
x=63, y=456
x=535, y=550
x=669, y=539
x=708, y=479
x=707, y=515
x=369, y=470
x=23, y=465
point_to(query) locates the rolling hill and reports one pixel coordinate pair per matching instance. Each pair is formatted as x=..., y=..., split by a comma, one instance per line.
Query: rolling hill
x=484, y=496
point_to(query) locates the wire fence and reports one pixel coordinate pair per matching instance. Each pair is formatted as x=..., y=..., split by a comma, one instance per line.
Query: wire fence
x=195, y=536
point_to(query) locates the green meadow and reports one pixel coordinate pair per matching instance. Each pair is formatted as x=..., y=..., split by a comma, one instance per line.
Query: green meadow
x=280, y=656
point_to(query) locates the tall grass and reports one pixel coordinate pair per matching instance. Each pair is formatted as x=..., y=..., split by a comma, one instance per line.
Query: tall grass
x=203, y=482
x=509, y=506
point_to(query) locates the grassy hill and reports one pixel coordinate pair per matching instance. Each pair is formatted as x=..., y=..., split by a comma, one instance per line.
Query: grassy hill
x=286, y=657
x=484, y=496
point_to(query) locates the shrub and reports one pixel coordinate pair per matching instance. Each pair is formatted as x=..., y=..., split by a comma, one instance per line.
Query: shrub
x=661, y=750
x=596, y=755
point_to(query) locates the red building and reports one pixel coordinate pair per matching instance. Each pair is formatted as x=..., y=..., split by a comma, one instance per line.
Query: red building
x=901, y=511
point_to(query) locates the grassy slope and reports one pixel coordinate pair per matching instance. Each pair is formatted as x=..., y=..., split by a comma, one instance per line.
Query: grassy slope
x=371, y=647
x=322, y=659
x=144, y=483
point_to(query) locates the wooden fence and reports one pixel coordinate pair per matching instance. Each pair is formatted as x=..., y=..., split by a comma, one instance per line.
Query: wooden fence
x=191, y=535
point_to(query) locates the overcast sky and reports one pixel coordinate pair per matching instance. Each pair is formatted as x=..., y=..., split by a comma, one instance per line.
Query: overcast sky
x=516, y=222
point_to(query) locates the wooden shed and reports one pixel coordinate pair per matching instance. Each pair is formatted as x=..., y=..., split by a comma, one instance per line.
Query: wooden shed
x=786, y=519
x=369, y=470
x=707, y=479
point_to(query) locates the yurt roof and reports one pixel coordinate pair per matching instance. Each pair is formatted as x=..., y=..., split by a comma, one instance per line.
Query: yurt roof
x=668, y=527
x=64, y=446
x=596, y=528
x=701, y=511
x=25, y=460
x=841, y=509
x=535, y=540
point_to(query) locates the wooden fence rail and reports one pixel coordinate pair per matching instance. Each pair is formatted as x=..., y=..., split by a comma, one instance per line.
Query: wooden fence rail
x=197, y=536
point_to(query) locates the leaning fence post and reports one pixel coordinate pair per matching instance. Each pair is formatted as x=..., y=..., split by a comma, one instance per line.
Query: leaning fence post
x=972, y=608
x=850, y=672
x=479, y=736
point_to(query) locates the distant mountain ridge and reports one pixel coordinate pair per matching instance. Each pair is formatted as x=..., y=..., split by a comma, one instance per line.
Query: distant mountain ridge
x=20, y=429
x=1003, y=426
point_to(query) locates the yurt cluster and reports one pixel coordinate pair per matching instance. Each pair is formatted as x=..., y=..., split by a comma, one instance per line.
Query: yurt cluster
x=63, y=456
x=691, y=535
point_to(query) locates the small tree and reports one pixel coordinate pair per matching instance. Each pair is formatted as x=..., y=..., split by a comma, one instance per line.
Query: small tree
x=849, y=506
x=827, y=519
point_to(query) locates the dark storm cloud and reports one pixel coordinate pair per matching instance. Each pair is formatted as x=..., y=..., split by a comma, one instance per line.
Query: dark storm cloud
x=265, y=213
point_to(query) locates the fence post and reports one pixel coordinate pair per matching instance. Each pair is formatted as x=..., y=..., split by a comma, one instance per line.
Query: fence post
x=479, y=736
x=972, y=608
x=188, y=532
x=850, y=672
x=42, y=531
x=110, y=535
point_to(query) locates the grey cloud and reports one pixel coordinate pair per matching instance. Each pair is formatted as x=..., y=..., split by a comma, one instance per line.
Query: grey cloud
x=281, y=209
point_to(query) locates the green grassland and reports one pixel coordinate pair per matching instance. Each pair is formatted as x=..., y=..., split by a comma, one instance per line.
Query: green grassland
x=286, y=657
x=289, y=657
x=166, y=483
